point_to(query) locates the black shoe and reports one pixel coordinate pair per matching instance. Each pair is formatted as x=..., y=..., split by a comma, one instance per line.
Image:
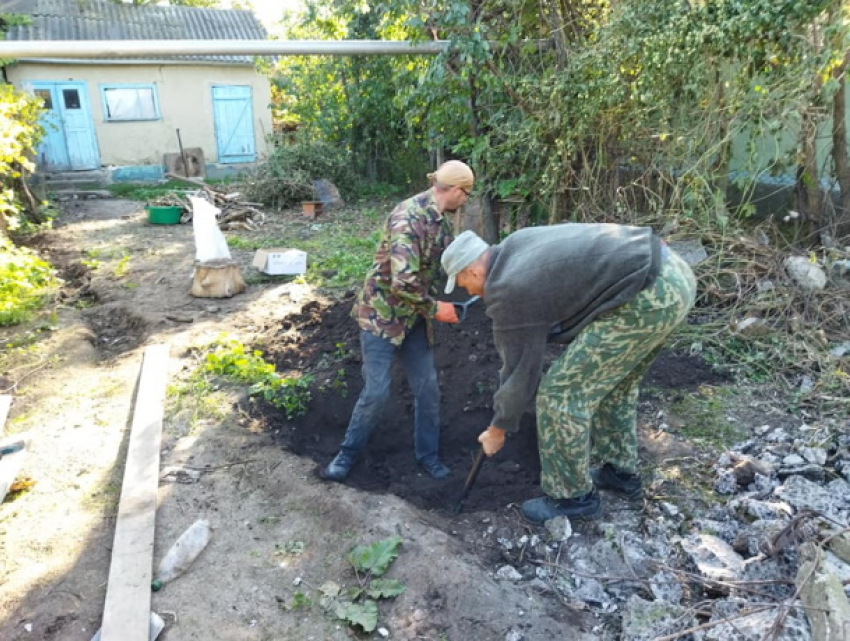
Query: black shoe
x=436, y=469
x=625, y=484
x=545, y=508
x=338, y=469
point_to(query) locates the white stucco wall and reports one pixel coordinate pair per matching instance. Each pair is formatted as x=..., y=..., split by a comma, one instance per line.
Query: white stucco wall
x=185, y=102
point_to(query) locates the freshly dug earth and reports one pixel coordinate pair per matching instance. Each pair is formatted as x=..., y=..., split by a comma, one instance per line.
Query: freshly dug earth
x=324, y=338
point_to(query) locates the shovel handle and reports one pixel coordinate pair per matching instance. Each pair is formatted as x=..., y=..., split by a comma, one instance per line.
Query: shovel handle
x=470, y=480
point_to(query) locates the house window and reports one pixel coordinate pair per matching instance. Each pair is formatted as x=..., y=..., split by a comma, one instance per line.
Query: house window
x=129, y=102
x=72, y=98
x=46, y=98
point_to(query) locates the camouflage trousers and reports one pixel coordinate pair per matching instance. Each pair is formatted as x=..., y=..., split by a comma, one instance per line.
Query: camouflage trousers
x=587, y=400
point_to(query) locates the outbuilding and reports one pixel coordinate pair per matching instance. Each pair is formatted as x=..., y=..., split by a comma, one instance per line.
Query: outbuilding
x=132, y=115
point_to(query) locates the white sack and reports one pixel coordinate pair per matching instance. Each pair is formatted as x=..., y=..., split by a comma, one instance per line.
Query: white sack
x=209, y=241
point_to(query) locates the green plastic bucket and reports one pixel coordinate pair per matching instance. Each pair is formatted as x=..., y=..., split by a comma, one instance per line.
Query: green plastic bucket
x=164, y=215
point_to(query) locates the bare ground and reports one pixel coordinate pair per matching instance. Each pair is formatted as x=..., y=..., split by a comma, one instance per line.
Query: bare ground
x=278, y=530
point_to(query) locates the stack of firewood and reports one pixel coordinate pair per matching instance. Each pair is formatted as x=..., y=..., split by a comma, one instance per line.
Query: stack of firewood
x=235, y=212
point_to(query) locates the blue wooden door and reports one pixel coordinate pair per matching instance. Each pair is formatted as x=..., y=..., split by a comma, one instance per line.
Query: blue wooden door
x=234, y=123
x=69, y=141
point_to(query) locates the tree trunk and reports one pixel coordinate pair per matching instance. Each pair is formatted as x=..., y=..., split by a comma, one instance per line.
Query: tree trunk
x=488, y=208
x=809, y=193
x=31, y=208
x=839, y=142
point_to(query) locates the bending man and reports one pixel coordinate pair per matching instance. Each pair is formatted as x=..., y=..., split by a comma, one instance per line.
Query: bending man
x=394, y=310
x=612, y=294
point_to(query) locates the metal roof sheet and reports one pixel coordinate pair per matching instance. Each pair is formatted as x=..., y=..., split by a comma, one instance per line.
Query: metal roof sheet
x=105, y=20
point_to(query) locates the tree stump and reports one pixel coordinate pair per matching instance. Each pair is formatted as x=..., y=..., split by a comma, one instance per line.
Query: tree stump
x=217, y=279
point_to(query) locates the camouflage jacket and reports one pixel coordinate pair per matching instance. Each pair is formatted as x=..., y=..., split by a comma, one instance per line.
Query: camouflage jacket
x=402, y=282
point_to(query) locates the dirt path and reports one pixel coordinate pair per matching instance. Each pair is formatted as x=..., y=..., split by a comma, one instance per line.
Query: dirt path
x=279, y=533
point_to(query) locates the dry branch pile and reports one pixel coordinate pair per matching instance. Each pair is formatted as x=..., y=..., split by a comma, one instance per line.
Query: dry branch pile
x=235, y=213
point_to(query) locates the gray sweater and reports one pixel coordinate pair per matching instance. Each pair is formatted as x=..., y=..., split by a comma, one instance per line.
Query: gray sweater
x=548, y=283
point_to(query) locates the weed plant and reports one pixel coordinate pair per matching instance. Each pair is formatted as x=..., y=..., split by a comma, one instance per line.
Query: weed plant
x=357, y=605
x=288, y=393
x=25, y=283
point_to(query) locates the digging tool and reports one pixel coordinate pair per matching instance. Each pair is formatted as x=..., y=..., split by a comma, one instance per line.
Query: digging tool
x=11, y=448
x=470, y=480
x=182, y=155
x=461, y=308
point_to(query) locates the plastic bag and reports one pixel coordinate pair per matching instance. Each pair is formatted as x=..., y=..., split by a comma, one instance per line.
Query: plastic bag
x=209, y=241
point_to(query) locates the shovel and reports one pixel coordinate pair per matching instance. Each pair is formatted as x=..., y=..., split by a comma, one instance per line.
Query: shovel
x=470, y=480
x=461, y=308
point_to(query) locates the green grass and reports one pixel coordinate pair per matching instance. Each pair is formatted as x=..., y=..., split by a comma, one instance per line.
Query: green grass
x=704, y=418
x=338, y=259
x=252, y=244
x=144, y=192
x=338, y=253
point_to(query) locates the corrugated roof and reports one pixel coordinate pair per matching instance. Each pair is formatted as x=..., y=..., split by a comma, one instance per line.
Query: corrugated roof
x=105, y=20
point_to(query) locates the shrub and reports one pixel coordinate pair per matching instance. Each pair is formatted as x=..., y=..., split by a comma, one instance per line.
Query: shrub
x=287, y=176
x=25, y=281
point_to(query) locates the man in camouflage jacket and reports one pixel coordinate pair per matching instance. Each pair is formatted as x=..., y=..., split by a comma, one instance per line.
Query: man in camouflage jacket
x=394, y=311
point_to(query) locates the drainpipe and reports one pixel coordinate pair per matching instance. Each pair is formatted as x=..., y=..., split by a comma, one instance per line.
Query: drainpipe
x=28, y=49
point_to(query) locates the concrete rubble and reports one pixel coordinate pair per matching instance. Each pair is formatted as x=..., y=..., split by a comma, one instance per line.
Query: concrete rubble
x=726, y=569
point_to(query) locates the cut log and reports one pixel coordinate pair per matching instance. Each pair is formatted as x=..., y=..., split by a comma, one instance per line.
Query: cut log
x=217, y=279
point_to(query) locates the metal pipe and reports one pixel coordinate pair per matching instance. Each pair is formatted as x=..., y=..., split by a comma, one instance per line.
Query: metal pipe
x=122, y=48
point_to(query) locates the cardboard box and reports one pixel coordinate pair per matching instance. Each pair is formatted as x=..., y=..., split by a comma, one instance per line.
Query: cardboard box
x=280, y=260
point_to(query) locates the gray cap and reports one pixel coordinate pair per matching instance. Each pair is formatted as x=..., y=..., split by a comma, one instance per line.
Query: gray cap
x=460, y=254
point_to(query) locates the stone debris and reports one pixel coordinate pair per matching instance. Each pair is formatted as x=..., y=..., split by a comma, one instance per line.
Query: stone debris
x=804, y=273
x=718, y=571
x=508, y=573
x=559, y=528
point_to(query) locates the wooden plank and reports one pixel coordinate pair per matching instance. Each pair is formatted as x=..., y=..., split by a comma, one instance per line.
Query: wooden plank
x=5, y=406
x=126, y=614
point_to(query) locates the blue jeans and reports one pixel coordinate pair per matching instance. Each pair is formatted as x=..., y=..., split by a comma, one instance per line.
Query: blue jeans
x=417, y=359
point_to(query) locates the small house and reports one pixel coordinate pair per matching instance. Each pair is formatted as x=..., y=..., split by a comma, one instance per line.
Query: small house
x=140, y=117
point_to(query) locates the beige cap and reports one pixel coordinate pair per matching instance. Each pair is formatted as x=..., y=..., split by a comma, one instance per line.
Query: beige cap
x=454, y=173
x=460, y=254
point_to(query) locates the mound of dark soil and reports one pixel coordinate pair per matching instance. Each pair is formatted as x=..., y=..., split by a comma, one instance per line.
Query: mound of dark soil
x=325, y=340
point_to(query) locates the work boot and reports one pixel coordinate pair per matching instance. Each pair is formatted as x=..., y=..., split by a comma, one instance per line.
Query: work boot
x=338, y=469
x=625, y=484
x=545, y=508
x=435, y=468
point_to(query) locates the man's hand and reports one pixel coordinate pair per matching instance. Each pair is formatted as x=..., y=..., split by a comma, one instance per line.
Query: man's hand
x=446, y=313
x=492, y=440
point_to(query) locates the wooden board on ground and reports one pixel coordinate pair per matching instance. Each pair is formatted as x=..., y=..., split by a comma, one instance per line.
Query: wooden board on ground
x=126, y=613
x=5, y=406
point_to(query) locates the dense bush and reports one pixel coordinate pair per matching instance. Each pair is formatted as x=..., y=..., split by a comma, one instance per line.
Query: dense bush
x=287, y=176
x=25, y=281
x=19, y=136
